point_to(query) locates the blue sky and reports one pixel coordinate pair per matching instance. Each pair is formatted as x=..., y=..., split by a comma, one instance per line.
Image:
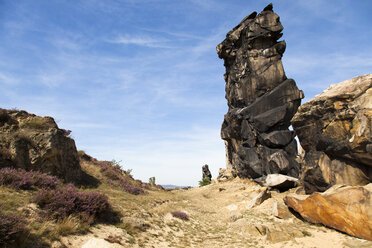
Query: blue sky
x=140, y=81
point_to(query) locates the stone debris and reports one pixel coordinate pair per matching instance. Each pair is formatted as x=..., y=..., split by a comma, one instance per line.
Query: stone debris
x=281, y=211
x=258, y=199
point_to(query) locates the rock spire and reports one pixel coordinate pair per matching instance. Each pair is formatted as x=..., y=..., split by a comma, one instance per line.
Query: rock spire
x=260, y=98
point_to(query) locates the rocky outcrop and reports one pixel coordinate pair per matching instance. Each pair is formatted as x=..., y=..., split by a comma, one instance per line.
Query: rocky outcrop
x=36, y=143
x=261, y=100
x=334, y=129
x=345, y=208
x=206, y=173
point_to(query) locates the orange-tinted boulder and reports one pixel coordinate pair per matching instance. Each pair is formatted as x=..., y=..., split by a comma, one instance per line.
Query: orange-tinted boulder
x=345, y=208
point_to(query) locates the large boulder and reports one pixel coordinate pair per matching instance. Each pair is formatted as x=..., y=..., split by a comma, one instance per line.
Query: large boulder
x=36, y=143
x=334, y=129
x=260, y=98
x=345, y=208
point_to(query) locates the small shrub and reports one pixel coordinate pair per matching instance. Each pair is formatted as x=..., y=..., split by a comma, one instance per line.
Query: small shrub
x=129, y=172
x=27, y=180
x=67, y=226
x=66, y=201
x=205, y=181
x=112, y=170
x=122, y=183
x=120, y=178
x=180, y=215
x=152, y=180
x=12, y=229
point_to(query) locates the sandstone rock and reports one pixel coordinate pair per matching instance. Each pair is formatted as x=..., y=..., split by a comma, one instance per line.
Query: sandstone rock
x=335, y=130
x=276, y=236
x=261, y=100
x=357, y=244
x=97, y=242
x=36, y=143
x=206, y=172
x=281, y=211
x=345, y=208
x=280, y=182
x=258, y=199
x=235, y=216
x=262, y=229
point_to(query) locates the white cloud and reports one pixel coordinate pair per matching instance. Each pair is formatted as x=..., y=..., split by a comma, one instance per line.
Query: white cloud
x=8, y=79
x=146, y=41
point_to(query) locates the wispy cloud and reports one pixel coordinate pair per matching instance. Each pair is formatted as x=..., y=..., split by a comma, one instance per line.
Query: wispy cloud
x=146, y=41
x=8, y=79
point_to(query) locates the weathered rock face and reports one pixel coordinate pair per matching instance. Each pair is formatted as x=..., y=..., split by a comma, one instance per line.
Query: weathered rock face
x=345, y=208
x=206, y=173
x=335, y=128
x=261, y=100
x=36, y=143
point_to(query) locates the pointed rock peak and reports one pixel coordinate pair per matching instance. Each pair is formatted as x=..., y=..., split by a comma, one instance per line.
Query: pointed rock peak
x=269, y=7
x=252, y=15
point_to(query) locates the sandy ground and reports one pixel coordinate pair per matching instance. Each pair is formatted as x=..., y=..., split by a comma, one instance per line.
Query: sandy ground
x=218, y=218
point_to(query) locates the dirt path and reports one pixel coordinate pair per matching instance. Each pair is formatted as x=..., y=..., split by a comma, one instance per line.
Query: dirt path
x=218, y=217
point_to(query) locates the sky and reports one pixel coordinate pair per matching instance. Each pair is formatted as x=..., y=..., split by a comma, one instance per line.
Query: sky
x=139, y=81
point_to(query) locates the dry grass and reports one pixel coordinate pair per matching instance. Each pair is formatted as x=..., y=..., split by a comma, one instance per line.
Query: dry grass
x=147, y=220
x=35, y=123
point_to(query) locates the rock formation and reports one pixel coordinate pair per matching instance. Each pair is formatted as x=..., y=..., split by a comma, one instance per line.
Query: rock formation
x=206, y=173
x=260, y=98
x=335, y=130
x=36, y=143
x=345, y=208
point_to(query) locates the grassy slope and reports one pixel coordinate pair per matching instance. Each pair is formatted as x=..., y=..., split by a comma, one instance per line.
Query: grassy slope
x=217, y=218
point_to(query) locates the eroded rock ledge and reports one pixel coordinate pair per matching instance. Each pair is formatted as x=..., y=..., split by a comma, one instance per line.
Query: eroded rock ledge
x=261, y=100
x=32, y=142
x=335, y=130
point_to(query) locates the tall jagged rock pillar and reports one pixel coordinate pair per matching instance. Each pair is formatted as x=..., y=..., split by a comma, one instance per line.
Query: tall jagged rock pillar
x=261, y=100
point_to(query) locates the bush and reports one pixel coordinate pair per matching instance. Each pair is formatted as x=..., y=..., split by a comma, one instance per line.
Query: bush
x=180, y=215
x=122, y=183
x=152, y=180
x=120, y=178
x=66, y=201
x=112, y=170
x=205, y=181
x=12, y=228
x=27, y=180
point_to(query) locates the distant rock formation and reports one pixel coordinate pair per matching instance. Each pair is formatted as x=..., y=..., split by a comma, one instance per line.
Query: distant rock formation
x=345, y=208
x=206, y=173
x=335, y=130
x=36, y=143
x=261, y=100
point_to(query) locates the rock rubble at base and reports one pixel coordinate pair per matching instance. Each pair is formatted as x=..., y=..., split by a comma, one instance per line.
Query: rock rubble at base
x=261, y=100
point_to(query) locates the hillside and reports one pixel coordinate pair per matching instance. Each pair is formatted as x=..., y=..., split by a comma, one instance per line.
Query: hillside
x=216, y=215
